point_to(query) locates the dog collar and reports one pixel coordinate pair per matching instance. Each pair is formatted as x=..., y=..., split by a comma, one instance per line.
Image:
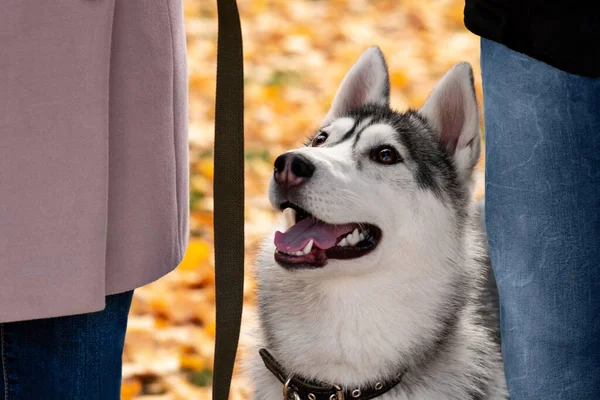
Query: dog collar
x=296, y=388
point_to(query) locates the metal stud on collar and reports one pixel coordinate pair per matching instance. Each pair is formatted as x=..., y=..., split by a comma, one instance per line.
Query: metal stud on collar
x=378, y=386
x=356, y=393
x=339, y=393
x=311, y=397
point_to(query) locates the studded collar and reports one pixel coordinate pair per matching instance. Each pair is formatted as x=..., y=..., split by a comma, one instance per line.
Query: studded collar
x=296, y=388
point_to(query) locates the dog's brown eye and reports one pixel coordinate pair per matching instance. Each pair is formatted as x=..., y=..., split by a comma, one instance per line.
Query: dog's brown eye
x=319, y=139
x=385, y=155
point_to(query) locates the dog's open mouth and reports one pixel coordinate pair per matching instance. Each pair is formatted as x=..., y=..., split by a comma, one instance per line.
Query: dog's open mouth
x=309, y=242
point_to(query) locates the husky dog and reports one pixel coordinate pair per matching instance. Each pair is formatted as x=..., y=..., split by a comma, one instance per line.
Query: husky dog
x=376, y=284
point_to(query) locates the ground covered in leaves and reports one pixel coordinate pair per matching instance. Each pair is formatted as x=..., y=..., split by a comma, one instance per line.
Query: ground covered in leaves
x=296, y=52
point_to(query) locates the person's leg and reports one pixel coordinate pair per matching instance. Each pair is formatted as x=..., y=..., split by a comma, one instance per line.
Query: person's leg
x=74, y=357
x=542, y=194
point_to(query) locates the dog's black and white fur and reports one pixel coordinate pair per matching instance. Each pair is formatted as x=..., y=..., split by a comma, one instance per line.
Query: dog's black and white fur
x=423, y=299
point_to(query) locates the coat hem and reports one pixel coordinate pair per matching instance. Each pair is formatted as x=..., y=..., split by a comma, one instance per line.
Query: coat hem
x=35, y=314
x=148, y=280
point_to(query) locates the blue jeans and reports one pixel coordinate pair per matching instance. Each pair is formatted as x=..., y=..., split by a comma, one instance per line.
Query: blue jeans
x=542, y=129
x=77, y=357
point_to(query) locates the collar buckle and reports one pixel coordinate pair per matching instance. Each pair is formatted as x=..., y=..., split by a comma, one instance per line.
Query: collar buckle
x=287, y=394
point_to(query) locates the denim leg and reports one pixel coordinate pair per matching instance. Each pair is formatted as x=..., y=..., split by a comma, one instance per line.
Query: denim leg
x=67, y=358
x=542, y=130
x=3, y=377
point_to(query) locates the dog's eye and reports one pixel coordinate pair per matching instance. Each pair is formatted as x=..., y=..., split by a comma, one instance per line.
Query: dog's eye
x=319, y=139
x=385, y=155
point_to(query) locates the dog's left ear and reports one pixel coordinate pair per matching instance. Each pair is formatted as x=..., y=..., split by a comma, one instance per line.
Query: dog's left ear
x=451, y=109
x=366, y=82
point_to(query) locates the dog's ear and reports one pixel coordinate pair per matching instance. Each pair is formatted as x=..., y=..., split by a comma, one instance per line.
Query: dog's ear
x=366, y=82
x=451, y=109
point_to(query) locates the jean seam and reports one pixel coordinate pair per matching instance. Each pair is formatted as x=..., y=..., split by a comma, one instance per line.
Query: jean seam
x=4, y=361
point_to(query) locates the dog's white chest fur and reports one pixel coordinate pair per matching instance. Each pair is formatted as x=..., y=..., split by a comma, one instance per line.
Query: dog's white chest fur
x=355, y=330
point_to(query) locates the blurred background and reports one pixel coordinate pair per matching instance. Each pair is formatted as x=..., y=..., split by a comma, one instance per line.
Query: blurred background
x=296, y=53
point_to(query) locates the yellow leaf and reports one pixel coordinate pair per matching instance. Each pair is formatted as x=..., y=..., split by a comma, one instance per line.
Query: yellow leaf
x=130, y=388
x=398, y=79
x=210, y=295
x=197, y=253
x=272, y=93
x=258, y=6
x=206, y=168
x=211, y=328
x=200, y=82
x=203, y=218
x=158, y=305
x=456, y=13
x=302, y=29
x=161, y=323
x=193, y=362
x=191, y=10
x=281, y=107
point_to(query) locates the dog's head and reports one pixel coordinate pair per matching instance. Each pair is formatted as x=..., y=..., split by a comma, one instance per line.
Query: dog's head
x=374, y=186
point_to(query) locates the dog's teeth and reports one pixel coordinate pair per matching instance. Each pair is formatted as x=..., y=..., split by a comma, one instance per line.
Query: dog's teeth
x=352, y=239
x=293, y=253
x=308, y=247
x=289, y=217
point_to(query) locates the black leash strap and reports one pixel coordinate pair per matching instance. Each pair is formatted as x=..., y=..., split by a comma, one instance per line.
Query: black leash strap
x=228, y=195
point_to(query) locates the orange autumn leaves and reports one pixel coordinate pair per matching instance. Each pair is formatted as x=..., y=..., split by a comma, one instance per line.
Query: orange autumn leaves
x=295, y=54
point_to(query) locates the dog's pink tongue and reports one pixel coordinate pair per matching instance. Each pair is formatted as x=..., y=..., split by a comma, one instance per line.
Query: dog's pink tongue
x=295, y=238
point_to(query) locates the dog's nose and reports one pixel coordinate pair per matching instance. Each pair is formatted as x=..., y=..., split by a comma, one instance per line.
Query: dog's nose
x=292, y=169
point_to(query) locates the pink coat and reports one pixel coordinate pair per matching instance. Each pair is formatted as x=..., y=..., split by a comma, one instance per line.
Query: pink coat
x=93, y=151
